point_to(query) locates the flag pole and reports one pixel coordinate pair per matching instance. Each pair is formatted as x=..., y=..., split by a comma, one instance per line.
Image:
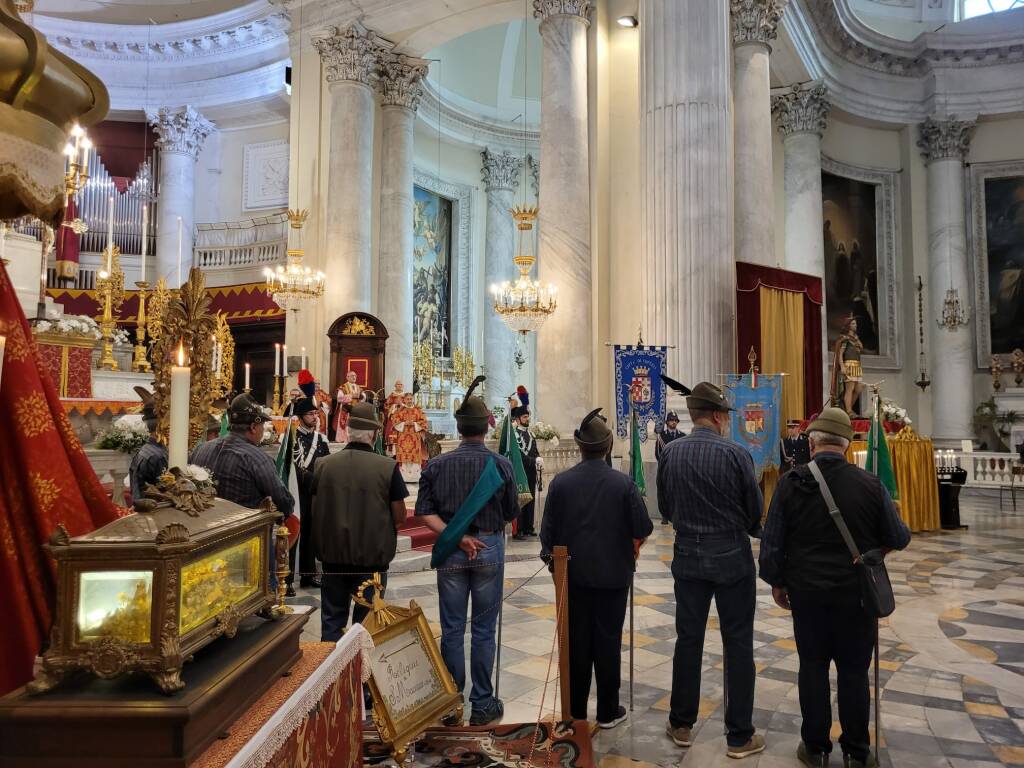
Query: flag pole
x=632, y=576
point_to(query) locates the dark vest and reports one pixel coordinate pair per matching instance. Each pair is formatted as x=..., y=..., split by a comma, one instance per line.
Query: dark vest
x=352, y=522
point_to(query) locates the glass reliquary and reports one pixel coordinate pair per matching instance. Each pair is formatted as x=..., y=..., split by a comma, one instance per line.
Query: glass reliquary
x=146, y=591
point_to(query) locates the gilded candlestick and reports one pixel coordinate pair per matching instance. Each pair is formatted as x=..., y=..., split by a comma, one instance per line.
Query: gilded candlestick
x=107, y=325
x=140, y=364
x=278, y=409
x=281, y=569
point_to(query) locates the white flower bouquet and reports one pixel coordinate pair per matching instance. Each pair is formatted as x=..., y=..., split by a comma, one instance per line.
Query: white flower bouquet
x=127, y=434
x=895, y=413
x=70, y=325
x=545, y=433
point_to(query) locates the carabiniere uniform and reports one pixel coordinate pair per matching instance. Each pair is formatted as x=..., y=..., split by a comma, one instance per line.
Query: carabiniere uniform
x=528, y=448
x=794, y=452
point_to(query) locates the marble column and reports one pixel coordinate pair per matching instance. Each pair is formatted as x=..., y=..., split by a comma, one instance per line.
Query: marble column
x=501, y=178
x=754, y=25
x=180, y=135
x=401, y=88
x=686, y=240
x=801, y=114
x=351, y=58
x=944, y=145
x=565, y=343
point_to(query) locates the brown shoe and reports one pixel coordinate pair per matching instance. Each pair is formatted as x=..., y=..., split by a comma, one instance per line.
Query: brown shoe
x=681, y=736
x=752, y=747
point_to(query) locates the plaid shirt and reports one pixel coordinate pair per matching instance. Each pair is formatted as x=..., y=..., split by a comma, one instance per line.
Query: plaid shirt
x=706, y=484
x=447, y=480
x=149, y=462
x=243, y=473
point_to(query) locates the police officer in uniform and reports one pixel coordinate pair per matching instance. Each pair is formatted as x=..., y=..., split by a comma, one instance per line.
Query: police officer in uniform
x=794, y=450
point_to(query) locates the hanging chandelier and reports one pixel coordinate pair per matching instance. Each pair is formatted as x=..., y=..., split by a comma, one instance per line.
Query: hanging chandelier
x=525, y=304
x=953, y=313
x=292, y=285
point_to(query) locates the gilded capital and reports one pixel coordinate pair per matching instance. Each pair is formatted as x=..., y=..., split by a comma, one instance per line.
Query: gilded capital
x=181, y=131
x=944, y=139
x=545, y=9
x=500, y=170
x=755, y=21
x=352, y=54
x=401, y=80
x=802, y=110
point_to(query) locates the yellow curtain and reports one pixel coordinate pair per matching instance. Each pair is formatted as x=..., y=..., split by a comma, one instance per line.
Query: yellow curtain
x=782, y=346
x=913, y=462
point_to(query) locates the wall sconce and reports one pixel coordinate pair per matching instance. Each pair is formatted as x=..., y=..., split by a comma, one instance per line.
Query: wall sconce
x=630, y=22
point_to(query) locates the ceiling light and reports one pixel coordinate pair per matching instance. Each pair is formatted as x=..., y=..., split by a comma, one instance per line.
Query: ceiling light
x=628, y=21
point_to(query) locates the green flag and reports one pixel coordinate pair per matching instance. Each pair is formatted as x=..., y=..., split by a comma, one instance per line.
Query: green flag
x=879, y=462
x=224, y=424
x=508, y=447
x=285, y=455
x=378, y=444
x=636, y=461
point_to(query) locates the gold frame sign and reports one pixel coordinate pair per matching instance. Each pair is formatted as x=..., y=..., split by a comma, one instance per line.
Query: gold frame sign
x=411, y=687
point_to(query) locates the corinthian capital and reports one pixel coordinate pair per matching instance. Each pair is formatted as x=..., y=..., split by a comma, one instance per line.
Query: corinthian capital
x=181, y=131
x=545, y=9
x=755, y=21
x=401, y=80
x=802, y=111
x=534, y=164
x=352, y=54
x=942, y=139
x=500, y=171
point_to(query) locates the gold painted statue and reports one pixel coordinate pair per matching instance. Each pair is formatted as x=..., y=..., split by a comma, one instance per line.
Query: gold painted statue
x=847, y=380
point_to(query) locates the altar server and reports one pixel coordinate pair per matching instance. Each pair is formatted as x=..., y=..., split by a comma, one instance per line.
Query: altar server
x=596, y=512
x=467, y=496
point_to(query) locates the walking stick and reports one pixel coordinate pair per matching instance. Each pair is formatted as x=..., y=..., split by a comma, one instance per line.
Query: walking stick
x=501, y=611
x=632, y=581
x=878, y=698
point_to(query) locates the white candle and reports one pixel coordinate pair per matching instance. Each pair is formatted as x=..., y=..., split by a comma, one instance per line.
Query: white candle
x=304, y=362
x=177, y=443
x=179, y=251
x=277, y=359
x=145, y=226
x=110, y=236
x=284, y=359
x=247, y=376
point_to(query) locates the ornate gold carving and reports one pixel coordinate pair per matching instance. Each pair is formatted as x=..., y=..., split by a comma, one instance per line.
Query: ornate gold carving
x=996, y=369
x=109, y=657
x=179, y=491
x=1017, y=363
x=358, y=326
x=227, y=622
x=222, y=383
x=157, y=307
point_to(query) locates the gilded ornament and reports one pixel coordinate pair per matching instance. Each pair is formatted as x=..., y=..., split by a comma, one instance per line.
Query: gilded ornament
x=221, y=383
x=158, y=302
x=358, y=326
x=183, y=492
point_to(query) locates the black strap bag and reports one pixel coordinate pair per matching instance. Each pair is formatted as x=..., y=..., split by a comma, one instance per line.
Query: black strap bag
x=876, y=595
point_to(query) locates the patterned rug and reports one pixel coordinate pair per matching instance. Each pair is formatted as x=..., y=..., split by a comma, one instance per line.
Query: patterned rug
x=526, y=745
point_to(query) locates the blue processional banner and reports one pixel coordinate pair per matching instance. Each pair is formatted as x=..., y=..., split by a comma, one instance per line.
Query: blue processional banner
x=638, y=372
x=755, y=424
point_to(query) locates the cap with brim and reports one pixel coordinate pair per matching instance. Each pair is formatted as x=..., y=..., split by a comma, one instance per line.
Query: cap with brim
x=593, y=432
x=833, y=421
x=706, y=396
x=474, y=411
x=671, y=416
x=245, y=410
x=520, y=410
x=363, y=416
x=793, y=423
x=303, y=406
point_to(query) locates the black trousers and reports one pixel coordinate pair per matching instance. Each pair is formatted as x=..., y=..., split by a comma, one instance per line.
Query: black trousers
x=339, y=582
x=526, y=523
x=595, y=646
x=829, y=627
x=721, y=568
x=306, y=556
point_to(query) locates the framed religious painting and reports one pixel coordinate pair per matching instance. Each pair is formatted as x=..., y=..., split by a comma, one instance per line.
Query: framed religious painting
x=997, y=245
x=862, y=243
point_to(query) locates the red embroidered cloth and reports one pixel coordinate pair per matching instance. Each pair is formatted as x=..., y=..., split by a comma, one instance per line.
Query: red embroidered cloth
x=69, y=368
x=45, y=479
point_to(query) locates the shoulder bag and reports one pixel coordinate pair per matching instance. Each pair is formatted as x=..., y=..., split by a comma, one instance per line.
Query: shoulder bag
x=876, y=595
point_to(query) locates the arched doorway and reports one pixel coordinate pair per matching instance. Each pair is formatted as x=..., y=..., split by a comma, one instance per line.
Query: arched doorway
x=358, y=341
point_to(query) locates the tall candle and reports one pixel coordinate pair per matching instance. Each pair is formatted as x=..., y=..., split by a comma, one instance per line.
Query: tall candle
x=110, y=236
x=247, y=376
x=179, y=251
x=177, y=443
x=277, y=359
x=145, y=226
x=304, y=364
x=284, y=359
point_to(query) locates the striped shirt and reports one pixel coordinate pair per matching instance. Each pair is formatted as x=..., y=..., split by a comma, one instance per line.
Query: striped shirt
x=447, y=480
x=243, y=473
x=706, y=484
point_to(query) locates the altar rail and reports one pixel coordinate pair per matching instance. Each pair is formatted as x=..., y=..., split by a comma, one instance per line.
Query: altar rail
x=236, y=256
x=986, y=469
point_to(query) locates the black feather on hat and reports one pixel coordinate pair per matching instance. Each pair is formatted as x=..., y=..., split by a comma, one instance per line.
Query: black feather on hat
x=593, y=432
x=473, y=411
x=674, y=385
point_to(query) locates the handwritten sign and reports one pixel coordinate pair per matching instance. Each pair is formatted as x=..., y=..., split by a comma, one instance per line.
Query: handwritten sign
x=404, y=675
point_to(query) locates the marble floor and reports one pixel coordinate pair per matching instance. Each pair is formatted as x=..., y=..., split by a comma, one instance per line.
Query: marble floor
x=952, y=670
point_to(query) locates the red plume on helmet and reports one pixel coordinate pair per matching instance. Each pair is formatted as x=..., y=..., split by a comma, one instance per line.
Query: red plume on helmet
x=306, y=383
x=523, y=395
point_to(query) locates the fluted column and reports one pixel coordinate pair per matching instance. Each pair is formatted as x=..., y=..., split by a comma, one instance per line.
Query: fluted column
x=401, y=87
x=686, y=245
x=351, y=60
x=180, y=135
x=501, y=178
x=565, y=343
x=944, y=145
x=754, y=25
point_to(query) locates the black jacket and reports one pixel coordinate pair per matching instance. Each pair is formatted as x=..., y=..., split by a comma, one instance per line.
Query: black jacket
x=801, y=547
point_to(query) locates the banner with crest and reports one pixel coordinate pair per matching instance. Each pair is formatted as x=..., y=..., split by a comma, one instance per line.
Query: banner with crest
x=755, y=425
x=638, y=372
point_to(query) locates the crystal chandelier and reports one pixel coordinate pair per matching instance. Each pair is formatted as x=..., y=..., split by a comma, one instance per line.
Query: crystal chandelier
x=292, y=285
x=525, y=304
x=953, y=313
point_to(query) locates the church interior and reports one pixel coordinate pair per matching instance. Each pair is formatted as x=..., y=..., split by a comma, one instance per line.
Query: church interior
x=322, y=218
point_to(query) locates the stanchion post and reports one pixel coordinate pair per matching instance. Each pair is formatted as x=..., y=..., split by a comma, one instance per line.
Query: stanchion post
x=561, y=561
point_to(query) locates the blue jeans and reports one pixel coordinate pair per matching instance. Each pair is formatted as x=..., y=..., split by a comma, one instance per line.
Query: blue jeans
x=458, y=580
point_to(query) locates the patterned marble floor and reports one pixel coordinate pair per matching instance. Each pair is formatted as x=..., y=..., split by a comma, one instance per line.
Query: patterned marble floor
x=952, y=655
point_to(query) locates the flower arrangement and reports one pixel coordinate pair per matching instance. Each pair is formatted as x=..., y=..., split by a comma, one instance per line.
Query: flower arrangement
x=895, y=413
x=121, y=336
x=127, y=434
x=70, y=325
x=545, y=432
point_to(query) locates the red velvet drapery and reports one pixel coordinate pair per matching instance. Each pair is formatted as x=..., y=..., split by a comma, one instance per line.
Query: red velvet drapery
x=45, y=479
x=750, y=277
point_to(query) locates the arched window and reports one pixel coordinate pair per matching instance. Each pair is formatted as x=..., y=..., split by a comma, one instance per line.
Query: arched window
x=971, y=8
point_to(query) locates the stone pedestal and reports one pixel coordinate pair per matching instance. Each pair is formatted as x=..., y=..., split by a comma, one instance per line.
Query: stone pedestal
x=944, y=145
x=181, y=134
x=686, y=244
